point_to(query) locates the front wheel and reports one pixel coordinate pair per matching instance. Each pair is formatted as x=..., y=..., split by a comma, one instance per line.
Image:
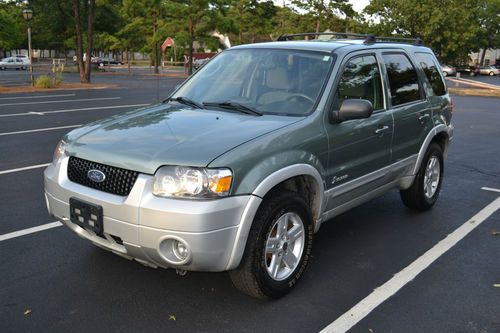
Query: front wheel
x=278, y=247
x=423, y=193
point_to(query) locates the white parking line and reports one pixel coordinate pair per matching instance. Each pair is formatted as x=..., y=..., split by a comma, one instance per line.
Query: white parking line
x=490, y=189
x=73, y=110
x=40, y=96
x=63, y=101
x=24, y=168
x=388, y=289
x=30, y=230
x=39, y=130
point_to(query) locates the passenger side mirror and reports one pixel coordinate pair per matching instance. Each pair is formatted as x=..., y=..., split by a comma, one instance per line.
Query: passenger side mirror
x=352, y=109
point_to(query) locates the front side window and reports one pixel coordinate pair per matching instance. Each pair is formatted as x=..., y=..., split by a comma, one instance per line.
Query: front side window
x=283, y=82
x=403, y=79
x=431, y=70
x=361, y=80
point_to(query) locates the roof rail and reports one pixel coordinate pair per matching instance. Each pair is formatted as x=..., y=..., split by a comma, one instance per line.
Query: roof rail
x=368, y=38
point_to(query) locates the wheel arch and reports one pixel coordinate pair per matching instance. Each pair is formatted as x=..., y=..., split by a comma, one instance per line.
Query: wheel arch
x=442, y=135
x=298, y=178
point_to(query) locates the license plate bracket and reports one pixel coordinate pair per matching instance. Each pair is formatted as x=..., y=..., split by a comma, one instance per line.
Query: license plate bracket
x=87, y=215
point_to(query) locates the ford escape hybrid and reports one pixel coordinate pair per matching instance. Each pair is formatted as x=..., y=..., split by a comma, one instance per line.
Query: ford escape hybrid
x=239, y=167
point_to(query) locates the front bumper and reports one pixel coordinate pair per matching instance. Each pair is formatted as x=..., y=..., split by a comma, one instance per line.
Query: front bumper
x=142, y=226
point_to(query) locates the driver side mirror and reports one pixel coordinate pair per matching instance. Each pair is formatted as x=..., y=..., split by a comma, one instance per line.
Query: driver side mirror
x=352, y=109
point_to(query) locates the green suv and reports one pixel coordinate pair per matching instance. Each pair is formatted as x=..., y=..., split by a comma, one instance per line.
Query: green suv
x=239, y=167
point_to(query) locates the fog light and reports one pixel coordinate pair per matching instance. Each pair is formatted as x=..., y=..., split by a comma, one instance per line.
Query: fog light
x=180, y=250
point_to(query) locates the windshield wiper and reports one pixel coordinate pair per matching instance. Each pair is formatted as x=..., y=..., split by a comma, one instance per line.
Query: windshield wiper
x=229, y=105
x=186, y=101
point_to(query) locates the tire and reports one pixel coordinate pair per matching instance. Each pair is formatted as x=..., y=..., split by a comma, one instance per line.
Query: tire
x=424, y=191
x=254, y=276
x=445, y=74
x=492, y=74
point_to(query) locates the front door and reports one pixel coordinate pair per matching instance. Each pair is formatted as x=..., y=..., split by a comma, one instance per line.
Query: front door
x=360, y=148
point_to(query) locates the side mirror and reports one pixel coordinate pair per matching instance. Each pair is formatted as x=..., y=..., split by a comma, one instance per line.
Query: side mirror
x=352, y=109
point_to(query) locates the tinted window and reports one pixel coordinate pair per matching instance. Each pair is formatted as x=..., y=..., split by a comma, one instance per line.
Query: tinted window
x=431, y=70
x=403, y=79
x=361, y=80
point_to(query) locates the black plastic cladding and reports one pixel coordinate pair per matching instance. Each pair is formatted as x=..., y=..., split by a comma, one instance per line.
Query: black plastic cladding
x=118, y=181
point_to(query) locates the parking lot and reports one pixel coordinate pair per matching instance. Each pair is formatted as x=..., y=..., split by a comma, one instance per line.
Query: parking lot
x=54, y=281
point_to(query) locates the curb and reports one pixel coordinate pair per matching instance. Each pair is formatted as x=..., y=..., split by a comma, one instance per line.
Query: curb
x=476, y=83
x=475, y=92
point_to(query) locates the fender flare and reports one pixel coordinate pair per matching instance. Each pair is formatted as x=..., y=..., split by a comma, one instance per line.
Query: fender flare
x=260, y=191
x=428, y=139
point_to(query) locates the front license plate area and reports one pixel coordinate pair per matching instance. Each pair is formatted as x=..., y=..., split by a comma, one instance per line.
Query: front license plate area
x=86, y=215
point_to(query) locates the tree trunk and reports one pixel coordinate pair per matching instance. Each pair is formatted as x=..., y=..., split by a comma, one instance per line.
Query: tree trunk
x=79, y=42
x=483, y=55
x=90, y=39
x=191, y=45
x=317, y=25
x=155, y=43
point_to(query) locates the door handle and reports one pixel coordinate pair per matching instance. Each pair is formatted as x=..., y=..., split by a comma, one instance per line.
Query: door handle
x=423, y=117
x=381, y=129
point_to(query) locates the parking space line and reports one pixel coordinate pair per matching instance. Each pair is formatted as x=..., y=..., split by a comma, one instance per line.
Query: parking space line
x=28, y=231
x=40, y=96
x=72, y=110
x=398, y=281
x=39, y=130
x=24, y=168
x=63, y=101
x=490, y=189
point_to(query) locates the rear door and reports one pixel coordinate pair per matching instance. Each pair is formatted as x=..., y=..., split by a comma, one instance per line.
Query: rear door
x=410, y=108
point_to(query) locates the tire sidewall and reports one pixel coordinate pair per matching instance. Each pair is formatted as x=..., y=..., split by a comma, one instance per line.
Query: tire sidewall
x=268, y=285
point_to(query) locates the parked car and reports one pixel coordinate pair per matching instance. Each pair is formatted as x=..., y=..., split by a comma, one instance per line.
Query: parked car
x=241, y=165
x=102, y=61
x=13, y=63
x=489, y=70
x=448, y=70
x=468, y=70
x=197, y=63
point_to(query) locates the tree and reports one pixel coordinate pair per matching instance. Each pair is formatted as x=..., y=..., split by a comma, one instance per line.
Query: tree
x=90, y=9
x=196, y=19
x=10, y=32
x=448, y=27
x=489, y=26
x=325, y=10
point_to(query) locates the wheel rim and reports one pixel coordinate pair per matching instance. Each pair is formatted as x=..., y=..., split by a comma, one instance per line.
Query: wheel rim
x=284, y=246
x=432, y=175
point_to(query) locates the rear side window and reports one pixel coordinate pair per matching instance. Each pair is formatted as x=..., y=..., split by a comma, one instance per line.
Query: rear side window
x=432, y=72
x=403, y=79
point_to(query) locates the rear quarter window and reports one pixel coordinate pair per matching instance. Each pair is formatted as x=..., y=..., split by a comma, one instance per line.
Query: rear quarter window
x=431, y=70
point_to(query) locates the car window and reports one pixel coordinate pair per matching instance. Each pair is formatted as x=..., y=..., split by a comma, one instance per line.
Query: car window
x=361, y=80
x=430, y=68
x=403, y=79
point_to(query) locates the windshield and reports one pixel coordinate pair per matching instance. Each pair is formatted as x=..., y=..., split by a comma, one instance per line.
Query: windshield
x=266, y=81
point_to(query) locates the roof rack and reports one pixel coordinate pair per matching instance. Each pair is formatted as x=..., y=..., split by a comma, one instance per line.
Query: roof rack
x=368, y=38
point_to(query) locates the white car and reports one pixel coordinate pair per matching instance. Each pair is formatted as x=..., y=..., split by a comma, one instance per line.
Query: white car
x=14, y=62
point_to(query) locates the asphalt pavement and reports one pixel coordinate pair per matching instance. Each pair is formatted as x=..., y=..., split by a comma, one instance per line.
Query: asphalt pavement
x=53, y=281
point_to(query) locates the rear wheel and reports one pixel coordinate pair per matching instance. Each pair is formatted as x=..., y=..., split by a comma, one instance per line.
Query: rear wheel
x=423, y=193
x=492, y=74
x=277, y=249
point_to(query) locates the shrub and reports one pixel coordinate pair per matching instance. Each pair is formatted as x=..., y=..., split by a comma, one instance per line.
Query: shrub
x=43, y=81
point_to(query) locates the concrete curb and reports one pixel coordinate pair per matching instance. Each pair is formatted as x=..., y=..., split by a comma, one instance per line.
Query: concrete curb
x=475, y=83
x=475, y=92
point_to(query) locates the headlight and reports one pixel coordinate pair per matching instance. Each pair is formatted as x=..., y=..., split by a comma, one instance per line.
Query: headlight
x=59, y=151
x=190, y=182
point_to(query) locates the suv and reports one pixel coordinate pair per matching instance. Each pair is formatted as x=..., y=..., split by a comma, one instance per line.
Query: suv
x=239, y=167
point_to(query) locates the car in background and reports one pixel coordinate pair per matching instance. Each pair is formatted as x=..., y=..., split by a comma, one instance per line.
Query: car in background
x=468, y=70
x=13, y=63
x=489, y=70
x=448, y=70
x=197, y=63
x=102, y=61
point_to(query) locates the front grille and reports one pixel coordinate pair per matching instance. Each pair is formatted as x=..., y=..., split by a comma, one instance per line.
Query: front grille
x=118, y=181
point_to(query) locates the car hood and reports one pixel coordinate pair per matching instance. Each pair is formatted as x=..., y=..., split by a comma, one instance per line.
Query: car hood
x=164, y=134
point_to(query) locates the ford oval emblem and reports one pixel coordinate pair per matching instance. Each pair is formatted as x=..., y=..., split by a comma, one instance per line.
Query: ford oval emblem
x=96, y=175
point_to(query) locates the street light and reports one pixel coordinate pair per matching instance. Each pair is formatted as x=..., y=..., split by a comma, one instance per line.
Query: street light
x=28, y=14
